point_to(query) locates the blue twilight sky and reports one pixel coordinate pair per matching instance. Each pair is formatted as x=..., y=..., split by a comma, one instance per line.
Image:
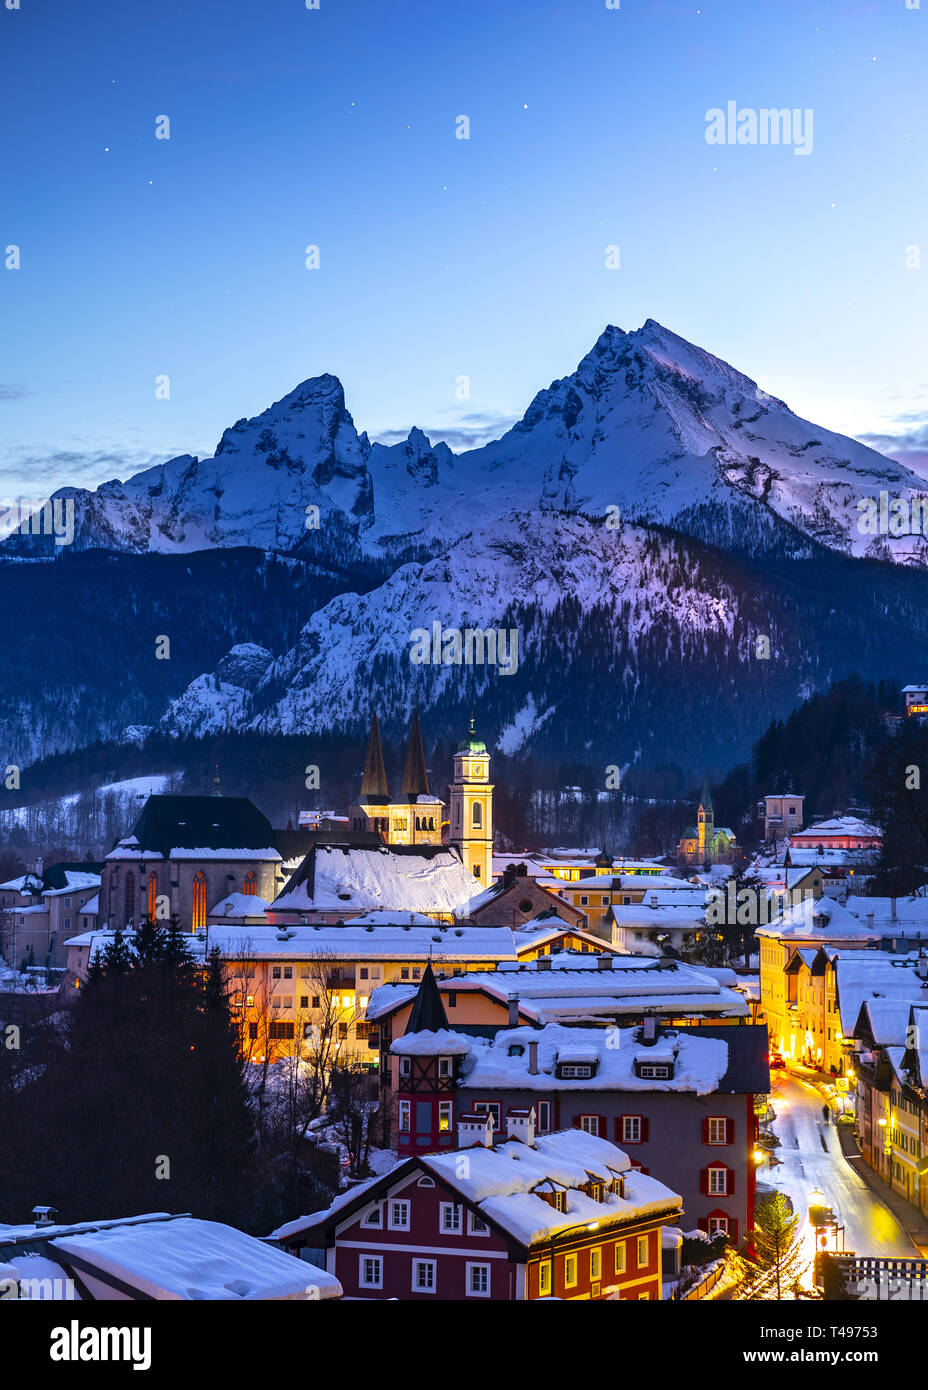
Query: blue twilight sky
x=442, y=257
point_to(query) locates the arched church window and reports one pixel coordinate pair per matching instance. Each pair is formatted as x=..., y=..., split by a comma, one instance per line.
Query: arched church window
x=250, y=886
x=129, y=896
x=152, y=896
x=198, y=913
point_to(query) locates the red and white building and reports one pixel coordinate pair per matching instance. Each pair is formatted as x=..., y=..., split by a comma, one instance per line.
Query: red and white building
x=841, y=832
x=562, y=1215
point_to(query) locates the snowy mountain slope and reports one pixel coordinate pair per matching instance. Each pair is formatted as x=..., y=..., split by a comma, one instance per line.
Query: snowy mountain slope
x=656, y=426
x=648, y=422
x=632, y=644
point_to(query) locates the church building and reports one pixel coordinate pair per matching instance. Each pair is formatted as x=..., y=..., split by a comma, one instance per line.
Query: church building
x=415, y=818
x=706, y=843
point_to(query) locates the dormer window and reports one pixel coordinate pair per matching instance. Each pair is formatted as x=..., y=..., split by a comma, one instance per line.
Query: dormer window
x=515, y=1050
x=655, y=1071
x=575, y=1071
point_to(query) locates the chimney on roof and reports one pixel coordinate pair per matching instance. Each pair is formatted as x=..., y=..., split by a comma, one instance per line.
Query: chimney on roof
x=509, y=875
x=475, y=1129
x=533, y=1059
x=521, y=870
x=513, y=1011
x=603, y=962
x=520, y=1124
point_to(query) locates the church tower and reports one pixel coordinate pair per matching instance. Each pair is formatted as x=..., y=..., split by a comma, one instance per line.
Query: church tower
x=705, y=825
x=471, y=808
x=418, y=819
x=372, y=809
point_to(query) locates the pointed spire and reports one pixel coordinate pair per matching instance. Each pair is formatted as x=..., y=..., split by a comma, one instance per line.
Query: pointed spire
x=705, y=800
x=415, y=777
x=787, y=860
x=374, y=786
x=428, y=1012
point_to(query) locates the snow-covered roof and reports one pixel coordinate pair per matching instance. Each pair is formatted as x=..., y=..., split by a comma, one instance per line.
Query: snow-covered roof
x=888, y=1019
x=818, y=919
x=240, y=905
x=349, y=878
x=350, y=942
x=501, y=1182
x=25, y=883
x=440, y=1043
x=186, y=1258
x=75, y=882
x=864, y=975
x=837, y=825
x=891, y=916
x=699, y=1062
x=91, y=907
x=574, y=987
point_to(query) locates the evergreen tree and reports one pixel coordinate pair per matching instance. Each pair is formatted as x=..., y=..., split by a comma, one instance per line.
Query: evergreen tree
x=776, y=1269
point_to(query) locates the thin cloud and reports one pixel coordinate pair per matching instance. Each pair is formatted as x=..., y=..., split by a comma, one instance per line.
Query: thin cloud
x=467, y=431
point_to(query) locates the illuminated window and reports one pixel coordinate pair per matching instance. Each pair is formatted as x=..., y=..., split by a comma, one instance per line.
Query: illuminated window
x=198, y=916
x=444, y=1115
x=570, y=1271
x=620, y=1257
x=544, y=1277
x=596, y=1264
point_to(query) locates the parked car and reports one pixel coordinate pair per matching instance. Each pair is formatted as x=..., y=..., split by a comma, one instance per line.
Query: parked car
x=776, y=1061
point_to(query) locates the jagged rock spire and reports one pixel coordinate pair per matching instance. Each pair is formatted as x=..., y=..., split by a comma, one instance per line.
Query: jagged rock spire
x=415, y=777
x=428, y=1012
x=374, y=790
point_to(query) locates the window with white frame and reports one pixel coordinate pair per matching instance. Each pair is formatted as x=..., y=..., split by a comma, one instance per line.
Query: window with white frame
x=445, y=1111
x=405, y=1066
x=423, y=1276
x=476, y=1226
x=718, y=1129
x=478, y=1281
x=444, y=1066
x=405, y=1116
x=370, y=1272
x=589, y=1124
x=543, y=1117
x=718, y=1223
x=399, y=1215
x=449, y=1216
x=374, y=1216
x=631, y=1129
x=718, y=1181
